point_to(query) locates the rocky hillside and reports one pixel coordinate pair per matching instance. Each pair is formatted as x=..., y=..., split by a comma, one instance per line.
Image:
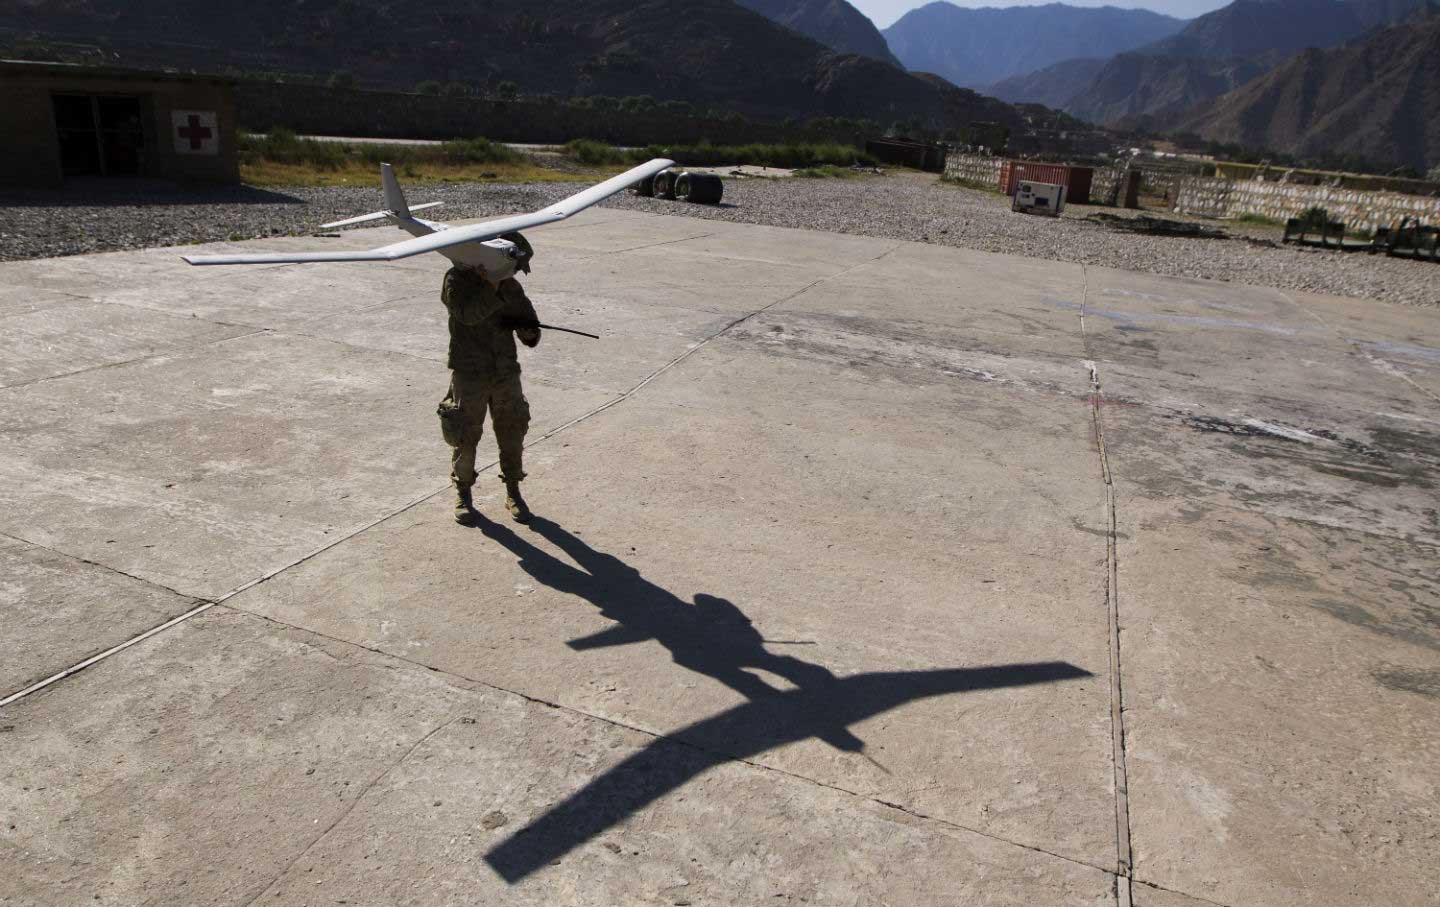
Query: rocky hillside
x=1248, y=28
x=713, y=53
x=1213, y=54
x=834, y=23
x=1054, y=86
x=1131, y=86
x=1379, y=100
x=977, y=47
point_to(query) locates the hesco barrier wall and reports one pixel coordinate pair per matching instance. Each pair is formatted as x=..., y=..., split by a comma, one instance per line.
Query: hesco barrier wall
x=978, y=169
x=375, y=114
x=1358, y=209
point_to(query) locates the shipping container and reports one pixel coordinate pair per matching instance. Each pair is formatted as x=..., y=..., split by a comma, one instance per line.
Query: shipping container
x=1076, y=180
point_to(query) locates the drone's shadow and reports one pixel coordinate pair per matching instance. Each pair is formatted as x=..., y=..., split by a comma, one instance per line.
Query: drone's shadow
x=714, y=638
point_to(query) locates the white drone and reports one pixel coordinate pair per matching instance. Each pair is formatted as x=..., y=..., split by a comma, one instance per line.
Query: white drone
x=477, y=246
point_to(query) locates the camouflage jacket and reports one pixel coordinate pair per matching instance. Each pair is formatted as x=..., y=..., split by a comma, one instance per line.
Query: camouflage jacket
x=482, y=322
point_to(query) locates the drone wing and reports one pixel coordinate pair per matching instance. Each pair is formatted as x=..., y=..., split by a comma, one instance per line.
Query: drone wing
x=455, y=236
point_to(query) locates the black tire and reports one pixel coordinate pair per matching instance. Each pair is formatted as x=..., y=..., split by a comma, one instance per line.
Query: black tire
x=646, y=187
x=700, y=188
x=665, y=184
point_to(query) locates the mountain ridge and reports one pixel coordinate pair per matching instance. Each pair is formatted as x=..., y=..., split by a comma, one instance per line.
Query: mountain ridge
x=834, y=23
x=709, y=52
x=978, y=47
x=1378, y=100
x=1213, y=54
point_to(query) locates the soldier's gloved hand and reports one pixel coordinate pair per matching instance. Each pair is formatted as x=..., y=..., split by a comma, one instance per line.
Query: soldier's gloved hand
x=528, y=336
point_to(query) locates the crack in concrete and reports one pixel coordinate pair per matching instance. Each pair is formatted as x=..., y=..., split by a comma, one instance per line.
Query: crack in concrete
x=1359, y=346
x=205, y=604
x=1124, y=857
x=354, y=801
x=469, y=683
x=178, y=348
x=1184, y=894
x=116, y=570
x=651, y=245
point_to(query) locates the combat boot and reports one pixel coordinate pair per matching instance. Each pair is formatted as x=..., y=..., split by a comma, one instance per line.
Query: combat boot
x=464, y=507
x=515, y=503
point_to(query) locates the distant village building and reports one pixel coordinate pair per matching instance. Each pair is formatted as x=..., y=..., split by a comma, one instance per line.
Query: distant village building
x=62, y=121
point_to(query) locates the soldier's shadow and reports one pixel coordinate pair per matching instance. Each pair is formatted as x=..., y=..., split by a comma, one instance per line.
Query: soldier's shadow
x=712, y=637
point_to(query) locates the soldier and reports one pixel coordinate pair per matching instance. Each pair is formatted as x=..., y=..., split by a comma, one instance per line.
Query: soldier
x=485, y=374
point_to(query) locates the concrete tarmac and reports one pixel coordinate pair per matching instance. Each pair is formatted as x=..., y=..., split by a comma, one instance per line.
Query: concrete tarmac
x=864, y=573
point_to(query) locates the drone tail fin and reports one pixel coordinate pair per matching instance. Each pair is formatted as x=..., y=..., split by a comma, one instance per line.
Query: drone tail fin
x=394, y=195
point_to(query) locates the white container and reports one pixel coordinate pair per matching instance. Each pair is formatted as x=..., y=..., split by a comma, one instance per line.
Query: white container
x=1038, y=198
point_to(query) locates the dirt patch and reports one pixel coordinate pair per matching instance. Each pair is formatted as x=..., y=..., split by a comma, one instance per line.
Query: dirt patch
x=1425, y=683
x=1156, y=226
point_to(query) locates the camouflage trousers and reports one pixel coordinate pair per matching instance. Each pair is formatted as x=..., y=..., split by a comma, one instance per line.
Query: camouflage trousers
x=462, y=422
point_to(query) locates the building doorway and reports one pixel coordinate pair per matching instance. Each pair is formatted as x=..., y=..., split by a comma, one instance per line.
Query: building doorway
x=100, y=135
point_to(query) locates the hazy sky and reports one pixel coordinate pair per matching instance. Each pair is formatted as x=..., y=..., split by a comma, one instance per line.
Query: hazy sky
x=885, y=12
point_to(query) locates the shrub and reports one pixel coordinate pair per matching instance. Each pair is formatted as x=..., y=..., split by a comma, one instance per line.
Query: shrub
x=798, y=156
x=593, y=153
x=638, y=104
x=479, y=151
x=429, y=86
x=282, y=146
x=507, y=91
x=341, y=81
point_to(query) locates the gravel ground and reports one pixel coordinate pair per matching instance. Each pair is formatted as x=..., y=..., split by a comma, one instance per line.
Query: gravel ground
x=903, y=206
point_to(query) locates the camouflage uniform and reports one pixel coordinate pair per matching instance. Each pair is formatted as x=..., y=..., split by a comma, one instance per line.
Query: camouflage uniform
x=485, y=374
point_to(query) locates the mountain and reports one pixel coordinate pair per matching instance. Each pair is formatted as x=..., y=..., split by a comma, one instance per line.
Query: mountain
x=1133, y=85
x=1213, y=54
x=834, y=23
x=1247, y=28
x=1378, y=99
x=1384, y=13
x=976, y=47
x=709, y=52
x=1054, y=86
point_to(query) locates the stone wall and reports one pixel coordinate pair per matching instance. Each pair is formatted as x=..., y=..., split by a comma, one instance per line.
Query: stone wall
x=319, y=110
x=1102, y=184
x=1357, y=209
x=976, y=169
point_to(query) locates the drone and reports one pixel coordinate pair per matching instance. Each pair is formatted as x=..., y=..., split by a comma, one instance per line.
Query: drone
x=481, y=245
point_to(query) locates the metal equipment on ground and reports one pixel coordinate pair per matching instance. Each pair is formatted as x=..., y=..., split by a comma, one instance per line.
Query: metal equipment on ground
x=1038, y=198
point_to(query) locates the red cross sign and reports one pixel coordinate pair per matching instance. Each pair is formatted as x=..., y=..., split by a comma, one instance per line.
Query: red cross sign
x=195, y=131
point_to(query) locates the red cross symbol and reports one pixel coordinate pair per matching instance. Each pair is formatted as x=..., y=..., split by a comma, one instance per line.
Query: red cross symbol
x=196, y=133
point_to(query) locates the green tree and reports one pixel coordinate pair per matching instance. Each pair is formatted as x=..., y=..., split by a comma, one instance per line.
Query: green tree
x=429, y=86
x=455, y=90
x=341, y=80
x=507, y=91
x=637, y=103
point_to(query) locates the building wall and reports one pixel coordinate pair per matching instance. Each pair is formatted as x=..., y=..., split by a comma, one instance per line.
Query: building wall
x=30, y=154
x=975, y=169
x=1358, y=209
